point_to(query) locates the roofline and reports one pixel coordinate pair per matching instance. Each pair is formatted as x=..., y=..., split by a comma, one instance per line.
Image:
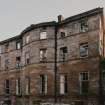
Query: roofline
x=82, y=15
x=54, y=23
x=10, y=39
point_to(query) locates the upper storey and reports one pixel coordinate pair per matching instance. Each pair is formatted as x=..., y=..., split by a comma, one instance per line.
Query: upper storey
x=78, y=36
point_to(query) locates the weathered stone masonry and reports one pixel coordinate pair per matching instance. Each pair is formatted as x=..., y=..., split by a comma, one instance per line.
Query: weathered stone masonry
x=27, y=62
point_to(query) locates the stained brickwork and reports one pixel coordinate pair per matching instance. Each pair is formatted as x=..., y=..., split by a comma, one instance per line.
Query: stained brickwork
x=84, y=29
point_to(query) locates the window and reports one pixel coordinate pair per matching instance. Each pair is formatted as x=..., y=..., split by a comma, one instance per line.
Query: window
x=63, y=53
x=43, y=35
x=6, y=64
x=43, y=55
x=27, y=58
x=18, y=45
x=43, y=84
x=83, y=26
x=84, y=82
x=63, y=34
x=27, y=39
x=18, y=86
x=0, y=49
x=63, y=84
x=27, y=85
x=0, y=61
x=7, y=86
x=18, y=60
x=7, y=47
x=83, y=50
x=104, y=75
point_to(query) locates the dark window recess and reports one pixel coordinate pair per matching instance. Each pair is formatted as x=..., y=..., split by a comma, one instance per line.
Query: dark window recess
x=66, y=84
x=6, y=64
x=7, y=86
x=63, y=53
x=27, y=58
x=83, y=26
x=63, y=34
x=18, y=62
x=84, y=87
x=79, y=103
x=104, y=75
x=43, y=83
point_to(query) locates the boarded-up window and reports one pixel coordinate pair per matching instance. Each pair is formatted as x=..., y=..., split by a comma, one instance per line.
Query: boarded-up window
x=63, y=84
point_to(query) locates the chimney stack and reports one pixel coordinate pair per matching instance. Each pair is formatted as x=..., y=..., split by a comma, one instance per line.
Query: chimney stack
x=60, y=18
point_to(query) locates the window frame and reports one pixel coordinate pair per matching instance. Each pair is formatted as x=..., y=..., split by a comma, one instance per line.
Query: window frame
x=85, y=46
x=63, y=84
x=43, y=84
x=43, y=35
x=82, y=80
x=43, y=56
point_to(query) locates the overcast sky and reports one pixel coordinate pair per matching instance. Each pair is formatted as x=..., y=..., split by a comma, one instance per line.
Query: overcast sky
x=16, y=15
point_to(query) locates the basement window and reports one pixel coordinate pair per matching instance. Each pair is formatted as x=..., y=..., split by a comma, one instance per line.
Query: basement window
x=43, y=35
x=63, y=84
x=83, y=49
x=63, y=53
x=43, y=84
x=84, y=82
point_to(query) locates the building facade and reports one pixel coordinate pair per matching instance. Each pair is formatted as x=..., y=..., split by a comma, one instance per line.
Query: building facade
x=55, y=62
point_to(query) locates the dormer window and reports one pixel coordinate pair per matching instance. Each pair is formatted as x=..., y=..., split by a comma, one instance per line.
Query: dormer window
x=43, y=35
